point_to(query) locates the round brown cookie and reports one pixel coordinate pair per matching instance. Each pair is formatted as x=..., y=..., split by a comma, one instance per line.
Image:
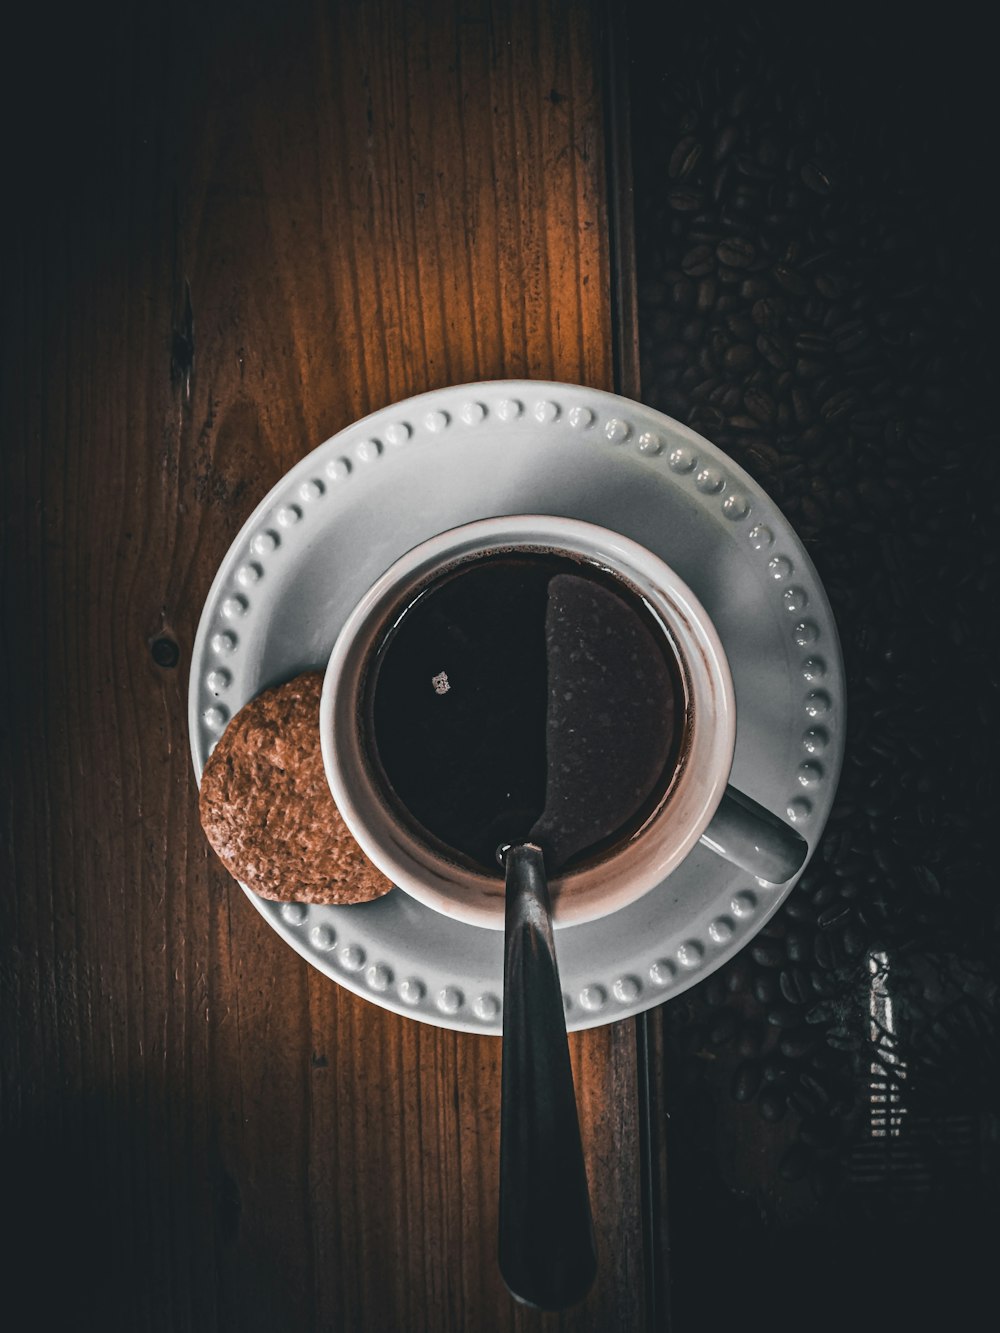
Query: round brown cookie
x=267, y=810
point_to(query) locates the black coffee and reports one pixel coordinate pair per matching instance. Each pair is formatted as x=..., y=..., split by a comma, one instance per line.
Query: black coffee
x=455, y=703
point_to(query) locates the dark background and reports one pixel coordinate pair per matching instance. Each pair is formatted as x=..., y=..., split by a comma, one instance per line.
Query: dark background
x=817, y=258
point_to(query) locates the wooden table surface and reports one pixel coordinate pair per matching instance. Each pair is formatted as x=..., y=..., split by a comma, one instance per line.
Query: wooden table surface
x=239, y=227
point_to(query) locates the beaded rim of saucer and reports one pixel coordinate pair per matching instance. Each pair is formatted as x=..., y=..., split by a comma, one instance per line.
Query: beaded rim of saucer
x=396, y=952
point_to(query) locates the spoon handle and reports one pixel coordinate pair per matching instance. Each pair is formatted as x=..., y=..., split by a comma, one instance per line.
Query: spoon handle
x=546, y=1237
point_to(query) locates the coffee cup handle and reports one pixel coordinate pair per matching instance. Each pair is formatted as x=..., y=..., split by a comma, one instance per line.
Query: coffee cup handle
x=754, y=839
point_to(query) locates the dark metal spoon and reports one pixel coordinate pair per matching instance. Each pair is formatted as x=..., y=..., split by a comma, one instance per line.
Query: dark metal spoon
x=607, y=739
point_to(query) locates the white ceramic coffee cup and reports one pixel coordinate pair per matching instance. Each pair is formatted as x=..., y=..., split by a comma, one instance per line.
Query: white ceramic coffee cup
x=698, y=805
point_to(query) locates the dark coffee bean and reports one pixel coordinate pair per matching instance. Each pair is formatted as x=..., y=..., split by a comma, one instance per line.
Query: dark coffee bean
x=817, y=259
x=838, y=405
x=768, y=313
x=699, y=261
x=819, y=1013
x=817, y=178
x=831, y=915
x=824, y=383
x=802, y=1103
x=819, y=1132
x=798, y=1044
x=720, y=181
x=746, y=199
x=740, y=422
x=812, y=439
x=889, y=862
x=808, y=368
x=752, y=288
x=718, y=341
x=736, y=975
x=739, y=357
x=794, y=985
x=775, y=1070
x=783, y=1015
x=765, y=988
x=165, y=652
x=704, y=389
x=831, y=285
x=771, y=1104
x=841, y=1040
x=787, y=278
x=684, y=158
x=811, y=344
x=746, y=1082
x=767, y=952
x=762, y=459
x=706, y=418
x=850, y=337
x=736, y=252
x=824, y=894
x=815, y=1087
x=683, y=199
x=869, y=424
x=822, y=982
x=725, y=141
x=722, y=1028
x=772, y=350
x=760, y=405
x=741, y=326
x=798, y=947
x=801, y=406
x=799, y=908
x=706, y=296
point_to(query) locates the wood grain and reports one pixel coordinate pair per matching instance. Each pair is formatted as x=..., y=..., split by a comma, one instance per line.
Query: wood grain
x=238, y=228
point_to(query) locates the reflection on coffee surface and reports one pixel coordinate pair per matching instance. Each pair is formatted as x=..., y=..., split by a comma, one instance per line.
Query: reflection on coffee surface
x=458, y=696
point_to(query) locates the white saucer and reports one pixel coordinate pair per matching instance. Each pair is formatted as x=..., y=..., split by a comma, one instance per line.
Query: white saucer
x=343, y=514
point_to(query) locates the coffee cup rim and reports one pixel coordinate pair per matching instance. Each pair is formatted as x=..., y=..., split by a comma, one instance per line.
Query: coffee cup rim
x=589, y=892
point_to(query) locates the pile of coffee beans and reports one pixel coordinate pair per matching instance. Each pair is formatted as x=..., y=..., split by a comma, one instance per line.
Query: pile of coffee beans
x=816, y=254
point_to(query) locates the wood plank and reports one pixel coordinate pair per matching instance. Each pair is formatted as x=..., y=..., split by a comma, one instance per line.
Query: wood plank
x=238, y=228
